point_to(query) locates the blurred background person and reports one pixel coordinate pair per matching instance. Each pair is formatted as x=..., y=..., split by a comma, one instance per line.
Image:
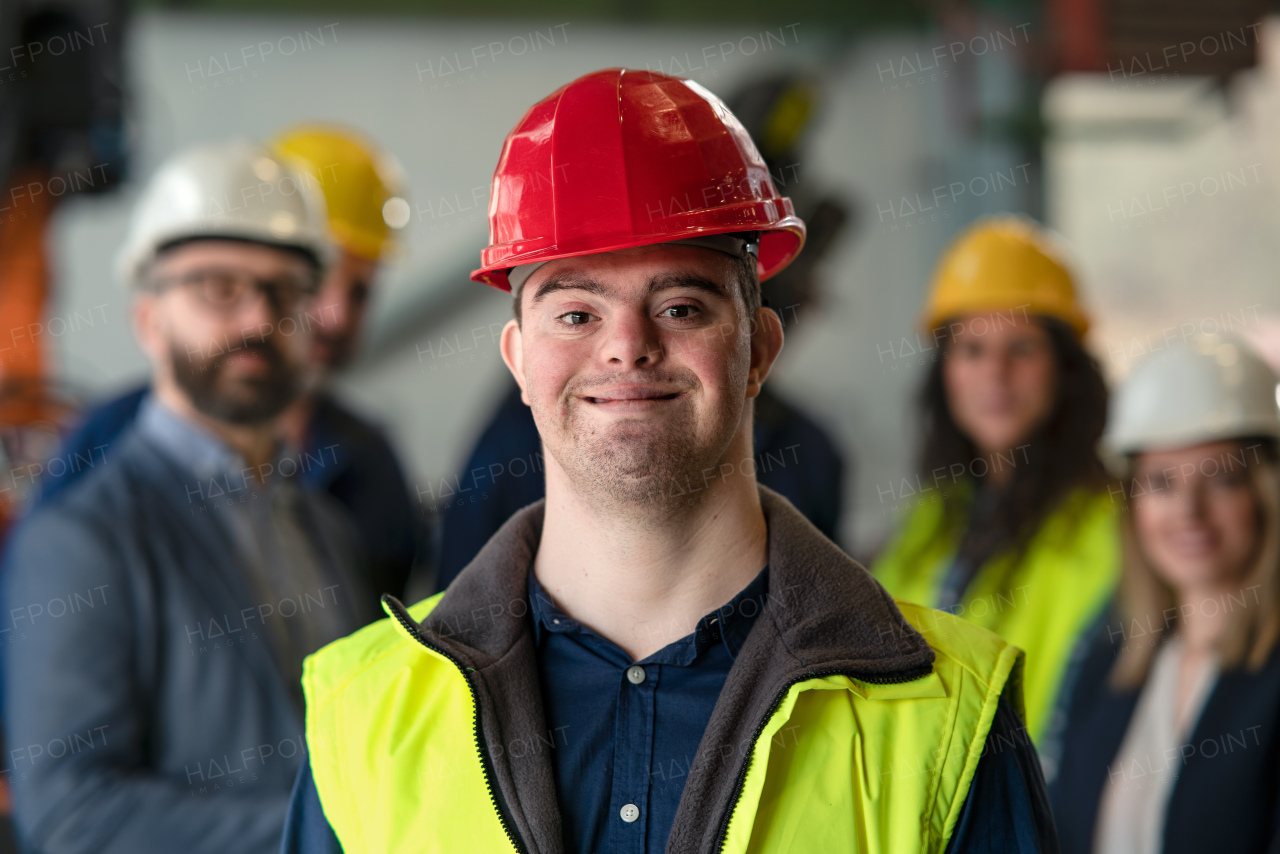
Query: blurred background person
x=794, y=455
x=1013, y=528
x=166, y=601
x=1173, y=742
x=362, y=185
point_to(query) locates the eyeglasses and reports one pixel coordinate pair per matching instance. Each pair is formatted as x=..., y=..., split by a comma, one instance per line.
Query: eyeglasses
x=228, y=291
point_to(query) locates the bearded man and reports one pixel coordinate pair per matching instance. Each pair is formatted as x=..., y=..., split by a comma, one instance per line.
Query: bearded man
x=161, y=609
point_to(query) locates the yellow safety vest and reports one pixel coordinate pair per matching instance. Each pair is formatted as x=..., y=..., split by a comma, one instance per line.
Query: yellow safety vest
x=840, y=766
x=1043, y=605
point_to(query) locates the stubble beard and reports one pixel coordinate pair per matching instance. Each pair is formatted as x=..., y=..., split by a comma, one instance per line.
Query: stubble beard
x=252, y=401
x=633, y=465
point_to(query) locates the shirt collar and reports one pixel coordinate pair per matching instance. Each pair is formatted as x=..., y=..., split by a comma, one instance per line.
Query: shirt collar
x=199, y=450
x=728, y=625
x=186, y=441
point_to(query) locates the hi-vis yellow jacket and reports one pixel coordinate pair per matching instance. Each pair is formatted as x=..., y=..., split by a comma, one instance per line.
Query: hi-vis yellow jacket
x=839, y=729
x=1043, y=605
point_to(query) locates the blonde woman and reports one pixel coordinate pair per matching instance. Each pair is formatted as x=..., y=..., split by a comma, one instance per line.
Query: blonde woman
x=1172, y=743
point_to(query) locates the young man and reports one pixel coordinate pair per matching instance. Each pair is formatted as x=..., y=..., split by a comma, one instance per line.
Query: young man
x=661, y=656
x=798, y=458
x=159, y=611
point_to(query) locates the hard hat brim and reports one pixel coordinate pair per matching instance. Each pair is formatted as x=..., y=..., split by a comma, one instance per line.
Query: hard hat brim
x=780, y=243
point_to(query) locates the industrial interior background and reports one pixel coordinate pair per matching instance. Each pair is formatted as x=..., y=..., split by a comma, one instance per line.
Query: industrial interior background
x=1146, y=133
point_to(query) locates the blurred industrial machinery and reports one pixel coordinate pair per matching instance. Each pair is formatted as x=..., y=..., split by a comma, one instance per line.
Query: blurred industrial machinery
x=62, y=132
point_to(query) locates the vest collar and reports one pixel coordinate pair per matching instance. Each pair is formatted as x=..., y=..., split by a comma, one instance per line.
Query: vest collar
x=827, y=609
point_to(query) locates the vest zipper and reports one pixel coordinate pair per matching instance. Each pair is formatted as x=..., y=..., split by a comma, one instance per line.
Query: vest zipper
x=905, y=676
x=481, y=750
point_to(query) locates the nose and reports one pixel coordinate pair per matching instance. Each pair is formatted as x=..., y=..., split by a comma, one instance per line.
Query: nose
x=258, y=312
x=335, y=314
x=631, y=339
x=333, y=305
x=1000, y=365
x=1195, y=500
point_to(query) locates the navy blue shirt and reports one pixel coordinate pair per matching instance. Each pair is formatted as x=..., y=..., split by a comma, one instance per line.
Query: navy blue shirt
x=627, y=732
x=627, y=742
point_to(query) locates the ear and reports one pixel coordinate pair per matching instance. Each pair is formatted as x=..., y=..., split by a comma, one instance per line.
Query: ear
x=766, y=344
x=511, y=347
x=148, y=324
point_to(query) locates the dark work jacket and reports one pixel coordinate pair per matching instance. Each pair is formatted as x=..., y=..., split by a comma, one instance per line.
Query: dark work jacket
x=1227, y=797
x=794, y=457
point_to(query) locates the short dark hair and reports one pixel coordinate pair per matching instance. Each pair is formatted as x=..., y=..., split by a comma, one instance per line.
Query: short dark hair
x=749, y=282
x=745, y=272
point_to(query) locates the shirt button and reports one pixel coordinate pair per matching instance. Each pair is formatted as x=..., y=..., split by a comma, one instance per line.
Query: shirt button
x=629, y=813
x=635, y=675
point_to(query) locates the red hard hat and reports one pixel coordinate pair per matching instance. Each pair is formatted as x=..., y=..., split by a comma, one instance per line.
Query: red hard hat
x=623, y=158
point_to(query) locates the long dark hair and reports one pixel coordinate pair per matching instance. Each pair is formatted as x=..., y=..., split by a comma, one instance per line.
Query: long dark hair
x=1058, y=458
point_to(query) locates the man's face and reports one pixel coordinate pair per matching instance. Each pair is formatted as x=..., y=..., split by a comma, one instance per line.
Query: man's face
x=638, y=365
x=339, y=311
x=219, y=320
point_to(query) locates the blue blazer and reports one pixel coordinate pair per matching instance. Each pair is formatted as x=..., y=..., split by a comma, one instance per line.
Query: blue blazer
x=144, y=710
x=361, y=471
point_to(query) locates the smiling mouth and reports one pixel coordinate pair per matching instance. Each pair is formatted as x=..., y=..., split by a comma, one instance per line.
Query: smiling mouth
x=249, y=359
x=636, y=398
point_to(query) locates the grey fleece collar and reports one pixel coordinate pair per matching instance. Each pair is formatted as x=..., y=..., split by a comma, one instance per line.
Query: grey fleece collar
x=825, y=615
x=827, y=608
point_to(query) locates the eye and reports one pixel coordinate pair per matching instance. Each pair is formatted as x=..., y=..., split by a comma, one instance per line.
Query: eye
x=575, y=318
x=679, y=312
x=1025, y=349
x=219, y=289
x=1229, y=479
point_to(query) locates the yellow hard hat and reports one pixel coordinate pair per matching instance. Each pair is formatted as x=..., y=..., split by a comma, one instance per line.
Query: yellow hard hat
x=362, y=185
x=1003, y=263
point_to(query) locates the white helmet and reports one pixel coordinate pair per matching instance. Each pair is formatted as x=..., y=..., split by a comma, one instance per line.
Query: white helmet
x=1203, y=390
x=235, y=189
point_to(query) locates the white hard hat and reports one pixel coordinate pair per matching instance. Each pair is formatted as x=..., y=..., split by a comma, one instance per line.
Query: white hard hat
x=235, y=189
x=1203, y=390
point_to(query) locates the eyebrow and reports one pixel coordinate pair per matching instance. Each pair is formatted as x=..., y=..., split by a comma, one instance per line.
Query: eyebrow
x=567, y=283
x=673, y=281
x=656, y=284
